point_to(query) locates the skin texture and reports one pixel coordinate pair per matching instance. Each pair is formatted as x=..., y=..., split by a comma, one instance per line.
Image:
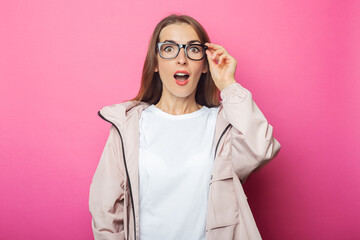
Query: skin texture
x=176, y=99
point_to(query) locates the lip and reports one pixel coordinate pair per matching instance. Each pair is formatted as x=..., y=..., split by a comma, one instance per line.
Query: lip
x=182, y=82
x=182, y=71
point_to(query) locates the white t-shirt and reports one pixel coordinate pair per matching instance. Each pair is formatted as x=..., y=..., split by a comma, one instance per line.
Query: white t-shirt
x=175, y=164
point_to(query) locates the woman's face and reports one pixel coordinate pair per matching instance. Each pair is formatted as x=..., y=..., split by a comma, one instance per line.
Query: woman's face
x=180, y=33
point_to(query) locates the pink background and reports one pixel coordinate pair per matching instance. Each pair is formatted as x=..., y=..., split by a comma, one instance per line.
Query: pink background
x=62, y=61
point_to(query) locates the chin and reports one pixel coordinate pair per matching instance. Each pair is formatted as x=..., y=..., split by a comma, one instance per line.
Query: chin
x=179, y=91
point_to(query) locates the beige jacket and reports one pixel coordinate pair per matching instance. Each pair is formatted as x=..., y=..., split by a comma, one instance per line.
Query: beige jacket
x=244, y=143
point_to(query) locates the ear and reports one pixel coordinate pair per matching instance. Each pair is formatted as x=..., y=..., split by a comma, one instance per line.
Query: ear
x=156, y=69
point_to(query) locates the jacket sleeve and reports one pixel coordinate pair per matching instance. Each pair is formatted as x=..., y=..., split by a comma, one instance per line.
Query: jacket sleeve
x=253, y=143
x=106, y=198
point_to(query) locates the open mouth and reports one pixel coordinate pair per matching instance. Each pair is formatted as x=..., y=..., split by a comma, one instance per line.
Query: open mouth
x=181, y=77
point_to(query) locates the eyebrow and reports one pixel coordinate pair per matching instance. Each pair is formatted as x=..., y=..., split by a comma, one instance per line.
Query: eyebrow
x=192, y=41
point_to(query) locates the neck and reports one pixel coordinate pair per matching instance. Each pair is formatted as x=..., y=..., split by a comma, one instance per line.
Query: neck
x=178, y=106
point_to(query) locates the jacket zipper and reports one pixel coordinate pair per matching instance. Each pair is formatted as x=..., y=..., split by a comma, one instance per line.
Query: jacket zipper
x=127, y=174
x=217, y=145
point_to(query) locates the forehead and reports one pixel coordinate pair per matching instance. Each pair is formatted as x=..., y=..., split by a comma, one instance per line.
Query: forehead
x=179, y=32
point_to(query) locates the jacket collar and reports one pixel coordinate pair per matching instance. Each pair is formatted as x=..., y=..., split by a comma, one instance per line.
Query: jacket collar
x=119, y=113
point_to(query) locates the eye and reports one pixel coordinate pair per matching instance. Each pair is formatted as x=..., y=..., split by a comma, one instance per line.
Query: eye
x=168, y=48
x=194, y=49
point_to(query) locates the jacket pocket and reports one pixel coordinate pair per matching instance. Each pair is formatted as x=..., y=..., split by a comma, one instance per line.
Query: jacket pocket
x=222, y=207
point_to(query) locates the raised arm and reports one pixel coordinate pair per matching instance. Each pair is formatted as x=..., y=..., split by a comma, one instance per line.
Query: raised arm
x=253, y=142
x=106, y=198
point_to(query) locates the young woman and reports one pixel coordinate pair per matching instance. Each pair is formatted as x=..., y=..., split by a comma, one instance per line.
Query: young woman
x=176, y=157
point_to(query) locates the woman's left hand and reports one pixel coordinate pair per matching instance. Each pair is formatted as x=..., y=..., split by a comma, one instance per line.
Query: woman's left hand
x=223, y=73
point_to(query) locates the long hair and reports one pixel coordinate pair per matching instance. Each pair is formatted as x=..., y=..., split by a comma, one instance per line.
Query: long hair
x=151, y=86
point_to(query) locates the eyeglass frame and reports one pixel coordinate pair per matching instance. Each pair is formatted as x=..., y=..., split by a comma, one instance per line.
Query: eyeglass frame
x=180, y=46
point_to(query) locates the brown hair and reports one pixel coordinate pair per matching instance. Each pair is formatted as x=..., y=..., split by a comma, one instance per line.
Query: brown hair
x=151, y=86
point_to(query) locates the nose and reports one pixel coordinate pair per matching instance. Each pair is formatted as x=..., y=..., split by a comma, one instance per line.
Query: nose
x=182, y=58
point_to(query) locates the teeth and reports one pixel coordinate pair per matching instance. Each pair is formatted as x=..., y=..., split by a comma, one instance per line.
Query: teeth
x=181, y=74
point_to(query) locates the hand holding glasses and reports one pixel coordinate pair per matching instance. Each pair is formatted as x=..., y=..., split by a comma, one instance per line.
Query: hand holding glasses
x=193, y=51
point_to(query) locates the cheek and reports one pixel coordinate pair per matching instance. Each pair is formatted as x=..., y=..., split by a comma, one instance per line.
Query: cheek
x=198, y=70
x=163, y=65
x=164, y=70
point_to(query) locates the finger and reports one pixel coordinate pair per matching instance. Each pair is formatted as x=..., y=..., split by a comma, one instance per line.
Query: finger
x=217, y=52
x=213, y=46
x=209, y=57
x=211, y=50
x=221, y=59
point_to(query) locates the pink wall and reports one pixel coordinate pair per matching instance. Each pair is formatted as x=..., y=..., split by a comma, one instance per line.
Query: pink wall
x=62, y=61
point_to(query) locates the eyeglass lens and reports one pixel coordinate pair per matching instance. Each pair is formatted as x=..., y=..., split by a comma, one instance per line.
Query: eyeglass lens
x=170, y=50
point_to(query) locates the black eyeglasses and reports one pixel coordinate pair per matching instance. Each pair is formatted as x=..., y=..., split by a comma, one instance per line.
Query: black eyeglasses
x=193, y=51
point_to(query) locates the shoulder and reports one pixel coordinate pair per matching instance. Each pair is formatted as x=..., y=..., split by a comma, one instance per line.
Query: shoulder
x=120, y=112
